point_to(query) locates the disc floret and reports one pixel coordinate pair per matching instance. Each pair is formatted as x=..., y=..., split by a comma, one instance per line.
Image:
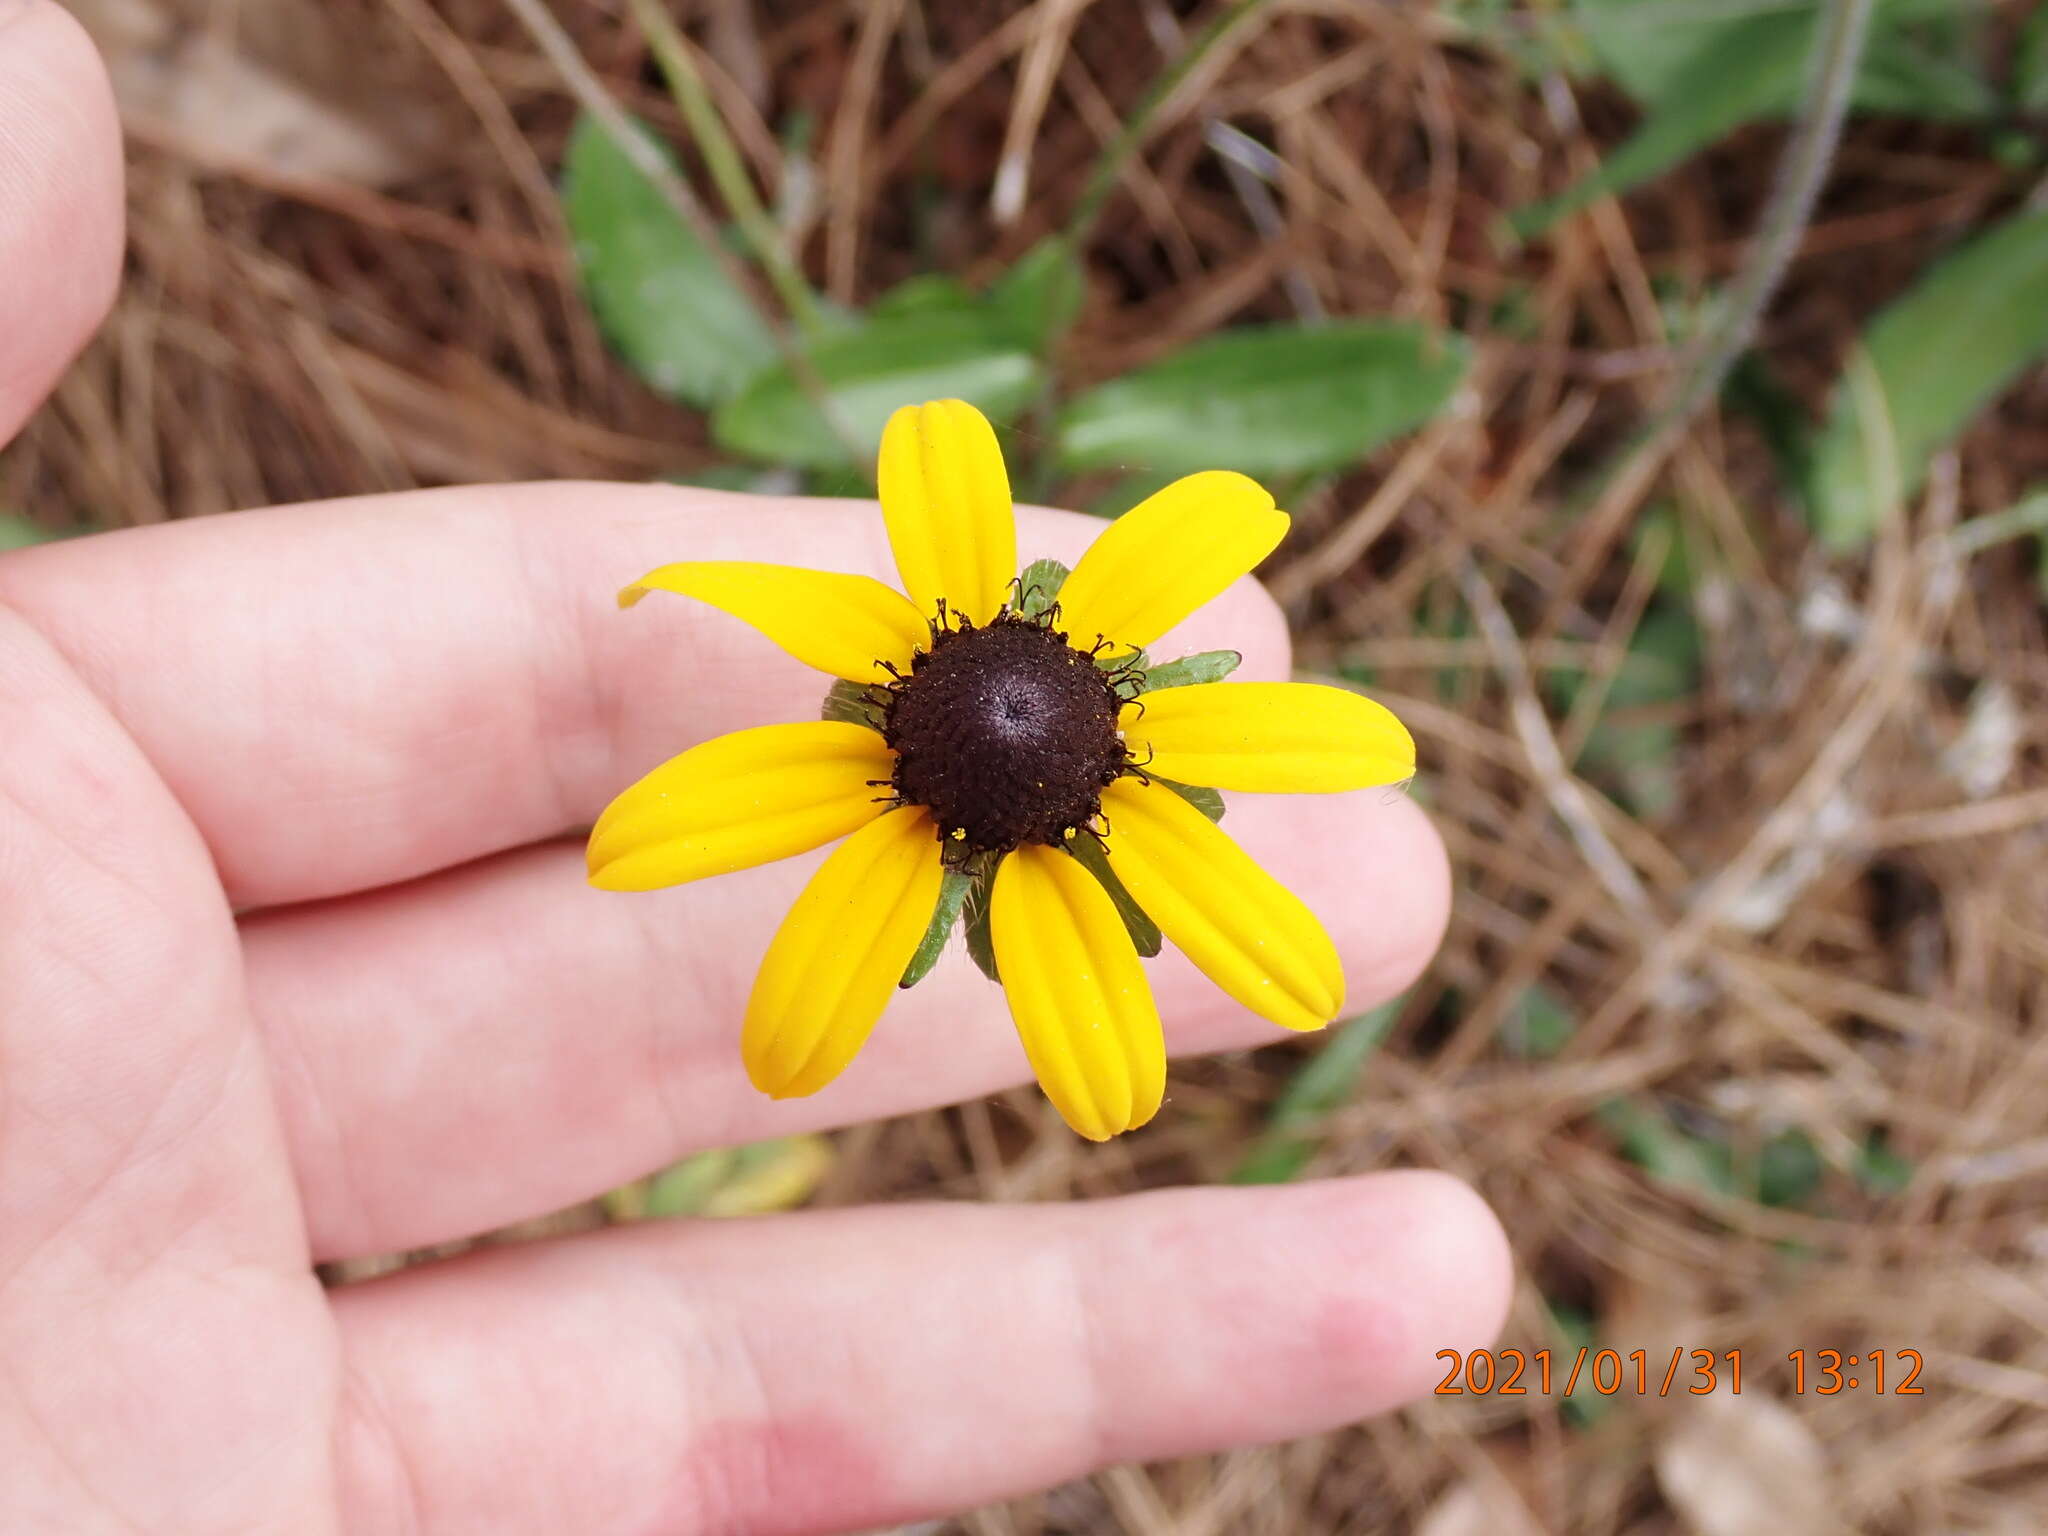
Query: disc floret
x=1005, y=733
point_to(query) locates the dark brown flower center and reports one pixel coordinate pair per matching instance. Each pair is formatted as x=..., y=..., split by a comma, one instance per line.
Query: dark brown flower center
x=1006, y=733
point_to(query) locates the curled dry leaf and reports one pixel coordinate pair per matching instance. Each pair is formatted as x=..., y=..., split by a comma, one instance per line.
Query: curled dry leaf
x=1479, y=1506
x=1747, y=1466
x=186, y=85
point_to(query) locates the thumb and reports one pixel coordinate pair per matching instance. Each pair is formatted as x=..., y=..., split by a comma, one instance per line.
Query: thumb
x=60, y=200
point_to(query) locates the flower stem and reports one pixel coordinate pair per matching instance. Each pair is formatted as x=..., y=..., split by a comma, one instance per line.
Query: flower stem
x=722, y=159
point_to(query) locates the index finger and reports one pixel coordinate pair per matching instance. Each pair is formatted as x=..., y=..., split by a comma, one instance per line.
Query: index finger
x=352, y=693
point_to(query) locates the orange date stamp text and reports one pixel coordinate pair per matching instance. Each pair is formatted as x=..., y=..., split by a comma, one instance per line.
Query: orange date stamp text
x=1697, y=1372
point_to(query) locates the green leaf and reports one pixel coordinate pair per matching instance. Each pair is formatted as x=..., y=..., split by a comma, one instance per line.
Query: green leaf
x=952, y=896
x=2030, y=65
x=754, y=479
x=1208, y=801
x=1649, y=1139
x=1937, y=355
x=1039, y=587
x=1202, y=667
x=1881, y=1170
x=891, y=361
x=850, y=702
x=1788, y=1169
x=1039, y=297
x=1126, y=491
x=1538, y=1025
x=682, y=1188
x=927, y=293
x=1702, y=73
x=1638, y=758
x=1087, y=849
x=1326, y=1082
x=18, y=532
x=659, y=293
x=1735, y=75
x=1575, y=1329
x=980, y=946
x=1650, y=48
x=1267, y=400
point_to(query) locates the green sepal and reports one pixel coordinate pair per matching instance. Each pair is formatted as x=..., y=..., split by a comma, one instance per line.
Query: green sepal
x=980, y=945
x=1038, y=588
x=1087, y=849
x=1132, y=661
x=952, y=895
x=1202, y=667
x=1207, y=801
x=849, y=702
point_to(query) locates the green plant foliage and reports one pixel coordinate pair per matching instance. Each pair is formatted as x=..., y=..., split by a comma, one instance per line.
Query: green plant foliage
x=1039, y=297
x=927, y=293
x=1087, y=848
x=1882, y=1171
x=1538, y=1025
x=2030, y=65
x=1039, y=586
x=848, y=701
x=1647, y=1138
x=1202, y=667
x=1208, y=801
x=18, y=532
x=981, y=946
x=1939, y=354
x=1701, y=72
x=1325, y=1082
x=929, y=352
x=1267, y=400
x=1637, y=759
x=1126, y=491
x=1786, y=1170
x=662, y=298
x=952, y=897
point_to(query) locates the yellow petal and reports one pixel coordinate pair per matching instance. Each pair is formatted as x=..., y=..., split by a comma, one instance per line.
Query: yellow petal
x=1167, y=556
x=946, y=498
x=1243, y=929
x=740, y=800
x=1077, y=991
x=845, y=625
x=839, y=953
x=1268, y=738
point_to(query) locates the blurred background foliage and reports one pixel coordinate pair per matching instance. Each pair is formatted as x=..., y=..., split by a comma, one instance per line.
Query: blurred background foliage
x=1658, y=388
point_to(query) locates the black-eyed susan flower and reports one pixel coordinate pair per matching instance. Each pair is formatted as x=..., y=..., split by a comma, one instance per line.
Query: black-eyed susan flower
x=999, y=749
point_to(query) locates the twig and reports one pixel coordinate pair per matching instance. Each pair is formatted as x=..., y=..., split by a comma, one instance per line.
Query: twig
x=592, y=96
x=1837, y=47
x=722, y=160
x=1546, y=759
x=1110, y=165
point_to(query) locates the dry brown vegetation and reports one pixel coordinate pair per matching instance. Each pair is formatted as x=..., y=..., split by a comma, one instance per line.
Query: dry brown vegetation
x=1834, y=921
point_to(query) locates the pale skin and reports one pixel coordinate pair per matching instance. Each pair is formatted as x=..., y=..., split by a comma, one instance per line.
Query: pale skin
x=297, y=962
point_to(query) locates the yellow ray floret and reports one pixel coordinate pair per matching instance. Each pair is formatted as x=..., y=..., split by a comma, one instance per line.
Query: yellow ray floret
x=1268, y=738
x=946, y=498
x=845, y=625
x=738, y=801
x=1167, y=556
x=838, y=955
x=1243, y=929
x=1077, y=991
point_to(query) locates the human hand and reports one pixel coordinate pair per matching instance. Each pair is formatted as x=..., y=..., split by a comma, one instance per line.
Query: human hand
x=296, y=962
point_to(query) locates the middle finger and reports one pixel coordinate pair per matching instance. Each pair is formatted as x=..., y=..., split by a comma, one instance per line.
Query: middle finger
x=499, y=1041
